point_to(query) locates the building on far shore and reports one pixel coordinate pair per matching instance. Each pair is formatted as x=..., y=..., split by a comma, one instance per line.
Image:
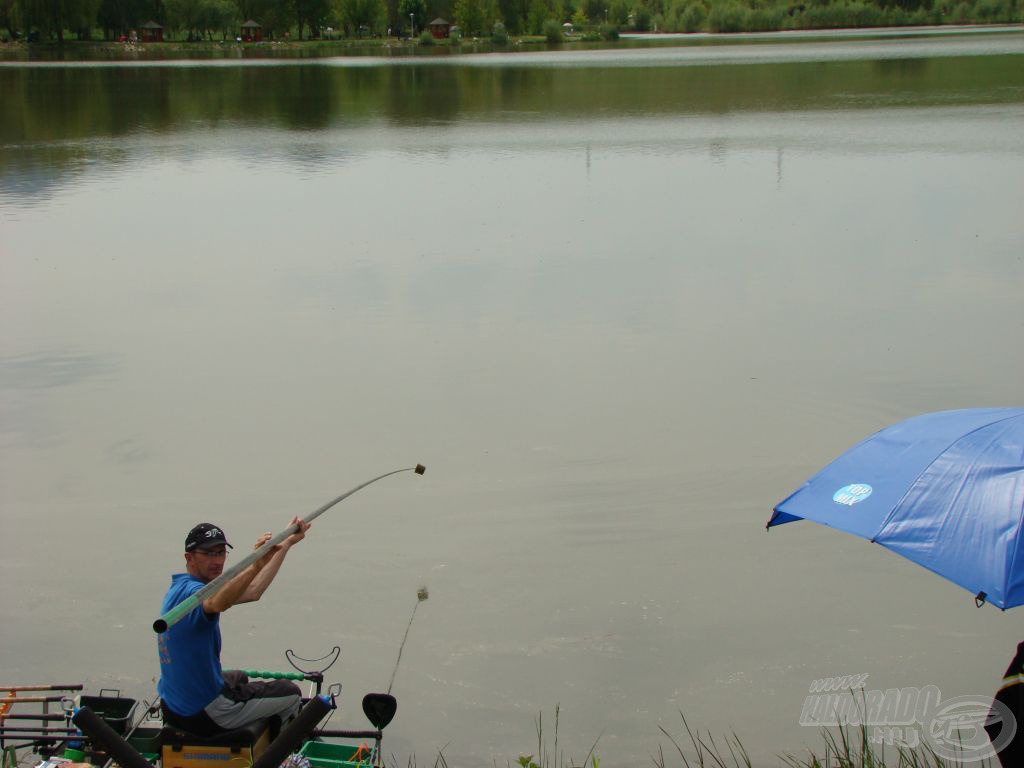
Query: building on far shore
x=439, y=28
x=152, y=32
x=252, y=32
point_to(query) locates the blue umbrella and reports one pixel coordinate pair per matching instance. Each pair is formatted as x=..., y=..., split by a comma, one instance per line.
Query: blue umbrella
x=945, y=490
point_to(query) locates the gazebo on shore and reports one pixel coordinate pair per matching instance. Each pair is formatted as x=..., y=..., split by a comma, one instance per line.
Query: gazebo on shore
x=439, y=28
x=252, y=32
x=152, y=32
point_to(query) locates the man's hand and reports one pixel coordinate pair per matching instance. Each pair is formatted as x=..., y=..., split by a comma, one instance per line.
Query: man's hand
x=265, y=560
x=300, y=534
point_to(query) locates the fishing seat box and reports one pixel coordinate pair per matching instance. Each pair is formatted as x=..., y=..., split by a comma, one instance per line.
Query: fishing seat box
x=231, y=749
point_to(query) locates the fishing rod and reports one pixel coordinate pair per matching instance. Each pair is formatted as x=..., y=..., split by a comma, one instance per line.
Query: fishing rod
x=183, y=608
x=30, y=699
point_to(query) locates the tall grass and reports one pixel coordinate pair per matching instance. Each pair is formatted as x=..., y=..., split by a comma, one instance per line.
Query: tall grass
x=849, y=748
x=555, y=759
x=706, y=751
x=844, y=747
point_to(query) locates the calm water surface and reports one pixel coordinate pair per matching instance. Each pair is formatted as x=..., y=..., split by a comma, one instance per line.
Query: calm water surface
x=619, y=303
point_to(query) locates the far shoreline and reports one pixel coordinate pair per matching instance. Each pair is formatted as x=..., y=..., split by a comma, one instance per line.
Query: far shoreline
x=100, y=51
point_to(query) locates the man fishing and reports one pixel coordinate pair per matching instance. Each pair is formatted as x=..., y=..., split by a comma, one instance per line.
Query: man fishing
x=195, y=693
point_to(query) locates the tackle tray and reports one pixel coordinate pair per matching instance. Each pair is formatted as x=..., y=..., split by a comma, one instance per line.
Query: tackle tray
x=322, y=754
x=146, y=741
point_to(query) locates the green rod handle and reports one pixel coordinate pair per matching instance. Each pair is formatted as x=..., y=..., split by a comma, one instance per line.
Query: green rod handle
x=273, y=675
x=176, y=613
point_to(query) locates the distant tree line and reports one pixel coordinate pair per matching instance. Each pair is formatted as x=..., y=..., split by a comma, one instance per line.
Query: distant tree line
x=220, y=19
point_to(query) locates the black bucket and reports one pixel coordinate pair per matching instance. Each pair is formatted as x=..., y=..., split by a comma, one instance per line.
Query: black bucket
x=115, y=710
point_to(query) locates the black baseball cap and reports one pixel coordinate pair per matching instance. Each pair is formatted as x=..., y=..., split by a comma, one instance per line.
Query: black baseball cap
x=204, y=536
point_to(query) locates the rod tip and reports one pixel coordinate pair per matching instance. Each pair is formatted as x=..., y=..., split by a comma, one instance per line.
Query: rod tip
x=420, y=469
x=159, y=626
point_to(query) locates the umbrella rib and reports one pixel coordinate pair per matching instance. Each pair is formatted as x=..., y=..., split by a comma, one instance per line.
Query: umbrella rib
x=1016, y=550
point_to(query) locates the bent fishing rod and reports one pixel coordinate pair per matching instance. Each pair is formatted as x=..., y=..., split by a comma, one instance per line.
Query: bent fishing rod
x=183, y=608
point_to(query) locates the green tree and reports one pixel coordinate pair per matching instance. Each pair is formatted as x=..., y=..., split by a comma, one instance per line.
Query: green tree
x=202, y=16
x=82, y=17
x=642, y=16
x=443, y=8
x=272, y=15
x=185, y=14
x=692, y=18
x=311, y=13
x=49, y=17
x=118, y=16
x=7, y=18
x=220, y=16
x=471, y=17
x=355, y=14
x=540, y=12
x=512, y=13
x=416, y=8
x=249, y=9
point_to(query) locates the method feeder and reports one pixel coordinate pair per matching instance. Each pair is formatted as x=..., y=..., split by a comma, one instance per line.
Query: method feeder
x=182, y=609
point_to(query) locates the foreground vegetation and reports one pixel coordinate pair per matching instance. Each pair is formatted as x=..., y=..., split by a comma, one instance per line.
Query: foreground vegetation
x=842, y=748
x=60, y=20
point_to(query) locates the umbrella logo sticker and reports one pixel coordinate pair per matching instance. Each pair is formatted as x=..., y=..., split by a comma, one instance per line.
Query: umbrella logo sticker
x=852, y=494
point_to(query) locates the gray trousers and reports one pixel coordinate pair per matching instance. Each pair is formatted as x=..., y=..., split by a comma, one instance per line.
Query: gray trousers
x=241, y=702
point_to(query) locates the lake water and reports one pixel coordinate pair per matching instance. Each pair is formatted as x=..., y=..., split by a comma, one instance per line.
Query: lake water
x=619, y=302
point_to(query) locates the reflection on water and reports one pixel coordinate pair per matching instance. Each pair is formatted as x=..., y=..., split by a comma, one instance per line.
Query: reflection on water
x=57, y=118
x=617, y=311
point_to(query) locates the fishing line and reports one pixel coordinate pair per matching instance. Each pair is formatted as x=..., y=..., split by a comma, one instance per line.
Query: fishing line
x=421, y=596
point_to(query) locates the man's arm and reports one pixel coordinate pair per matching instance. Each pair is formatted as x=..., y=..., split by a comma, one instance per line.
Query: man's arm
x=232, y=592
x=261, y=581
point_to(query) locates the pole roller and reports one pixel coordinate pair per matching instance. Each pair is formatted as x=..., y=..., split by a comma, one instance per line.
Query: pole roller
x=186, y=606
x=294, y=733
